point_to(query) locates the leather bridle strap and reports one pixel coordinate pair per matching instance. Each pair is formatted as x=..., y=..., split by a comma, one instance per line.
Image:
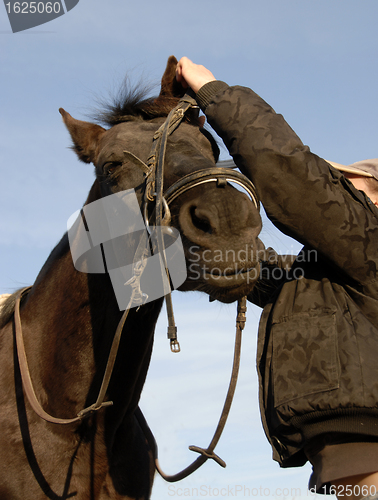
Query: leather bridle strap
x=24, y=369
x=208, y=452
x=220, y=175
x=155, y=161
x=156, y=178
x=27, y=382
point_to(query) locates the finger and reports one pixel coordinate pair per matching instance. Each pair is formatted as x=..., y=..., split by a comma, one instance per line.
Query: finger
x=179, y=75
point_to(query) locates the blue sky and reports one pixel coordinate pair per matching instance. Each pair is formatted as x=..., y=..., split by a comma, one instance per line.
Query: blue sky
x=313, y=61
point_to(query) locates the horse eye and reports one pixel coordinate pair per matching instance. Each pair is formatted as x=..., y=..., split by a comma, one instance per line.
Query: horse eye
x=109, y=168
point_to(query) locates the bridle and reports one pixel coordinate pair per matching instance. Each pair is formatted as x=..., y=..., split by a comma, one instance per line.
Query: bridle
x=160, y=200
x=154, y=170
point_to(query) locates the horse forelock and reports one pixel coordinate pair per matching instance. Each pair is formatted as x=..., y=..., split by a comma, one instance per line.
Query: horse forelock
x=136, y=103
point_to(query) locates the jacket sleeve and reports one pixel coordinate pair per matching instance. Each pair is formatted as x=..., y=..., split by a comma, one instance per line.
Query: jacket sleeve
x=302, y=194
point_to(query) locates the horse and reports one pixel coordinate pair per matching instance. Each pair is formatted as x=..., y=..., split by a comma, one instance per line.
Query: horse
x=69, y=318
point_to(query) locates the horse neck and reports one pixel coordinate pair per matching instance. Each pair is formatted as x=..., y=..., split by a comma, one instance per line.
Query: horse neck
x=69, y=321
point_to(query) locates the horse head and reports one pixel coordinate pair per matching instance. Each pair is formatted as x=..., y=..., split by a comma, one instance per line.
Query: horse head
x=219, y=225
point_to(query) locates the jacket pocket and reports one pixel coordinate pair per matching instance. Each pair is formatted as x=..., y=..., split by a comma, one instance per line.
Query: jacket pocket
x=305, y=356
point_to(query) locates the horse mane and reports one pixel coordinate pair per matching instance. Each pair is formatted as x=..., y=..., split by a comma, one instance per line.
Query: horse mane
x=7, y=309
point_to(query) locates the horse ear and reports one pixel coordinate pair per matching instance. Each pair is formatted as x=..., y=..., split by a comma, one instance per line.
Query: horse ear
x=85, y=136
x=170, y=87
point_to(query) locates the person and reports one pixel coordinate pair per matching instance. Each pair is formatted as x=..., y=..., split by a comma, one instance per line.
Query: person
x=318, y=334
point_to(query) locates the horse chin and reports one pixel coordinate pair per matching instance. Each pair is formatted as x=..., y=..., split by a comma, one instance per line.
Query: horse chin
x=224, y=287
x=231, y=287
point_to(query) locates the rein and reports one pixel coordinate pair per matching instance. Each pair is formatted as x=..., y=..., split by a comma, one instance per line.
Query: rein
x=154, y=171
x=205, y=453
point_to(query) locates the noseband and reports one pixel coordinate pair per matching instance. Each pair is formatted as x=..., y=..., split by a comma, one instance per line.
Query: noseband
x=220, y=175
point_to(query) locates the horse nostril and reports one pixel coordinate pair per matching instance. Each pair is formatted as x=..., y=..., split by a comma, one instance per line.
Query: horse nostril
x=200, y=220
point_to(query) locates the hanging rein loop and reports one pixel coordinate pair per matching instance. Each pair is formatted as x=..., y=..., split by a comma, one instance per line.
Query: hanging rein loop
x=205, y=453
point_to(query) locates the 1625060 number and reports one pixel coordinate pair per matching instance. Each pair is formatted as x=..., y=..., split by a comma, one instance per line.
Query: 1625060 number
x=34, y=7
x=355, y=490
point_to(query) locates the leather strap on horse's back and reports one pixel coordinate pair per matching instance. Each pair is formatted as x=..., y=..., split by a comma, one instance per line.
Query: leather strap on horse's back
x=26, y=378
x=24, y=367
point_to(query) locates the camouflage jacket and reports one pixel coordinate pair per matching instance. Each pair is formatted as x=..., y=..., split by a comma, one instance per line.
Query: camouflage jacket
x=318, y=335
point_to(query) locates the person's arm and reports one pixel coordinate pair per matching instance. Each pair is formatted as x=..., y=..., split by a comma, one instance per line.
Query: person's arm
x=302, y=194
